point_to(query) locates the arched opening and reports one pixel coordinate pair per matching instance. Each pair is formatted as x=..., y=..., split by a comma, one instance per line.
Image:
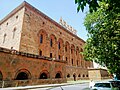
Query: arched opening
x=22, y=76
x=58, y=75
x=83, y=75
x=74, y=76
x=43, y=76
x=87, y=75
x=1, y=76
x=68, y=76
x=41, y=38
x=53, y=40
x=79, y=75
x=60, y=48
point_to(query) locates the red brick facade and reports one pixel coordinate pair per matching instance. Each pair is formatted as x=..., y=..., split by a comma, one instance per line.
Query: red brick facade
x=41, y=36
x=34, y=69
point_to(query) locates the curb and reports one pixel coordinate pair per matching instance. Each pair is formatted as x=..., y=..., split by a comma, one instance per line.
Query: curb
x=50, y=86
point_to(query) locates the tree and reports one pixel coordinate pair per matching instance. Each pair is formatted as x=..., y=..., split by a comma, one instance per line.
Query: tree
x=103, y=44
x=93, y=4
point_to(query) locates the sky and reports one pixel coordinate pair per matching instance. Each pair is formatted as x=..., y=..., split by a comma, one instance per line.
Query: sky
x=55, y=9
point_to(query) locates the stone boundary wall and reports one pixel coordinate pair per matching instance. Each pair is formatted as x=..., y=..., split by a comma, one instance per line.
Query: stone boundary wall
x=12, y=62
x=16, y=83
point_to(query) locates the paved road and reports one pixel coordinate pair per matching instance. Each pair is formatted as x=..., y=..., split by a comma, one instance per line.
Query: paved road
x=68, y=87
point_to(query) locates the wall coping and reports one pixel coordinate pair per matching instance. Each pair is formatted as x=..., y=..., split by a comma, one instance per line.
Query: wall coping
x=28, y=55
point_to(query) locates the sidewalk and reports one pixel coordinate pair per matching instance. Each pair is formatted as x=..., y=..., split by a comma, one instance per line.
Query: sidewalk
x=46, y=85
x=49, y=85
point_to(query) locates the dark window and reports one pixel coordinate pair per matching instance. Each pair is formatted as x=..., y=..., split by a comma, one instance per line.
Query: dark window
x=7, y=23
x=71, y=50
x=41, y=38
x=59, y=57
x=16, y=17
x=50, y=55
x=4, y=38
x=14, y=32
x=79, y=75
x=58, y=75
x=83, y=75
x=59, y=45
x=43, y=76
x=51, y=42
x=86, y=75
x=68, y=76
x=72, y=61
x=40, y=53
x=66, y=48
x=66, y=58
x=22, y=76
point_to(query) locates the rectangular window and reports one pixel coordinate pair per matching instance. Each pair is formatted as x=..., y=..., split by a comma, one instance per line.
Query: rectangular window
x=40, y=53
x=66, y=48
x=72, y=61
x=50, y=55
x=71, y=51
x=59, y=45
x=41, y=38
x=66, y=58
x=59, y=57
x=51, y=42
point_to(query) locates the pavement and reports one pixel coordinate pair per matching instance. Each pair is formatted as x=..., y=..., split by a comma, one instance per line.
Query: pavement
x=47, y=85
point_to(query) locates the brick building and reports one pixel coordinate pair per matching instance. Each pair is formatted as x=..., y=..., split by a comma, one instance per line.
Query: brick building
x=38, y=49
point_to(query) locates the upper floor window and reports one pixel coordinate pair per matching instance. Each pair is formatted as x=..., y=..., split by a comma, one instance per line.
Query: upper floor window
x=17, y=17
x=50, y=55
x=51, y=42
x=59, y=57
x=40, y=53
x=71, y=50
x=41, y=38
x=4, y=37
x=59, y=45
x=14, y=32
x=72, y=61
x=7, y=23
x=66, y=48
x=66, y=58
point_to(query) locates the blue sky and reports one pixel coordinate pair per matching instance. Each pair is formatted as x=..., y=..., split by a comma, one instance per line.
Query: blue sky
x=67, y=9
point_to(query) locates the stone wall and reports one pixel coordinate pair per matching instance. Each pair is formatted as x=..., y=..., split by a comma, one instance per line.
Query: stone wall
x=76, y=73
x=13, y=63
x=11, y=28
x=37, y=24
x=16, y=83
x=98, y=74
x=43, y=47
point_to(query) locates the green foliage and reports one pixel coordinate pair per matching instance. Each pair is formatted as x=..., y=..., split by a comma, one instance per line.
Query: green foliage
x=103, y=44
x=93, y=4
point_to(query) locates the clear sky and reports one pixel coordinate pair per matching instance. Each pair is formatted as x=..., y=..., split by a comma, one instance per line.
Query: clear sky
x=67, y=9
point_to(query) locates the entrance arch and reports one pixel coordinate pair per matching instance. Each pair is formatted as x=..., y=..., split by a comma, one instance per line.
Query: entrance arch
x=74, y=76
x=22, y=75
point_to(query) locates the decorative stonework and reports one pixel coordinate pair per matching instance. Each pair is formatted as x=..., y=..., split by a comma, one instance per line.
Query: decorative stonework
x=68, y=27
